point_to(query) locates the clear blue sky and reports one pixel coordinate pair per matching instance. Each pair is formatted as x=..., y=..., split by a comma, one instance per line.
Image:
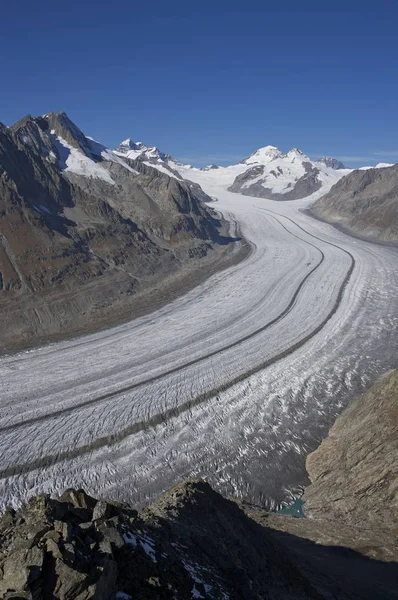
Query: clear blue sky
x=210, y=81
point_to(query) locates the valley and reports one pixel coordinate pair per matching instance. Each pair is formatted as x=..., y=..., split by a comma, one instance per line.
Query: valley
x=236, y=381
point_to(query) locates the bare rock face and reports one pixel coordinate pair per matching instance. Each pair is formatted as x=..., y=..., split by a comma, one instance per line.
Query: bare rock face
x=86, y=235
x=354, y=472
x=364, y=203
x=49, y=551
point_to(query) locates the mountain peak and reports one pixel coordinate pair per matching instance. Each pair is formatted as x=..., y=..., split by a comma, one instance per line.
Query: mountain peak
x=22, y=122
x=269, y=150
x=129, y=144
x=296, y=153
x=139, y=150
x=65, y=128
x=264, y=154
x=331, y=162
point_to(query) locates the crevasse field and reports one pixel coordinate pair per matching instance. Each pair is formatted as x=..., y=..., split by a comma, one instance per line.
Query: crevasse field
x=235, y=382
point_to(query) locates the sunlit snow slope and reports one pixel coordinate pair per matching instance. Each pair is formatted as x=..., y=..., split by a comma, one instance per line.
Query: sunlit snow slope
x=236, y=381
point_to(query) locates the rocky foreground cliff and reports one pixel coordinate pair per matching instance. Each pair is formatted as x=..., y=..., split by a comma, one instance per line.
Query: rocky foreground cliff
x=190, y=543
x=364, y=203
x=87, y=236
x=193, y=543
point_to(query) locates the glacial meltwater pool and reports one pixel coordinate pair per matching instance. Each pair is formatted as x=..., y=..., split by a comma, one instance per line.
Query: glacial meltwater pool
x=293, y=510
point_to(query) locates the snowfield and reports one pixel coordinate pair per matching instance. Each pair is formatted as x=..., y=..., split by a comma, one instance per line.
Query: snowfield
x=236, y=381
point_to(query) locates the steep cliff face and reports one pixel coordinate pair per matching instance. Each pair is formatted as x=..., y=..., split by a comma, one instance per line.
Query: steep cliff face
x=354, y=472
x=364, y=203
x=84, y=234
x=190, y=543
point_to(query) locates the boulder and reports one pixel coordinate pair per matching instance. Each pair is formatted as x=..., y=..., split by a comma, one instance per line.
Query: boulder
x=21, y=569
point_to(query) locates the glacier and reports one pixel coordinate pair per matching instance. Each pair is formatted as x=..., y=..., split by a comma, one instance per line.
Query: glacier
x=236, y=381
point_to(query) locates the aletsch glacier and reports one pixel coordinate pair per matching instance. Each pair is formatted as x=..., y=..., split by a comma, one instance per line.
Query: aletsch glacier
x=236, y=381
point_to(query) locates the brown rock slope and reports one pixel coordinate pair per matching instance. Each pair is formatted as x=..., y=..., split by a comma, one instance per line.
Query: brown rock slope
x=353, y=497
x=190, y=543
x=354, y=472
x=364, y=203
x=85, y=236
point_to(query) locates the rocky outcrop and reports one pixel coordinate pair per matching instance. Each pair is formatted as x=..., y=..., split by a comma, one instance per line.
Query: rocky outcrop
x=85, y=236
x=190, y=543
x=61, y=548
x=364, y=203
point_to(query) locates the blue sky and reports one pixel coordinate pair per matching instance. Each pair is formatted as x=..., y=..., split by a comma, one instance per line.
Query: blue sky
x=209, y=82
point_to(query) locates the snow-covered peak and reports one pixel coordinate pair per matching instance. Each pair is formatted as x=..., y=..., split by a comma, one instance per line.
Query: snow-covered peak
x=140, y=151
x=263, y=155
x=271, y=174
x=154, y=152
x=295, y=153
x=77, y=153
x=128, y=146
x=267, y=154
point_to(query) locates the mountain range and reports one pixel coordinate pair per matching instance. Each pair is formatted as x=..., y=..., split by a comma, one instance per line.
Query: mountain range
x=87, y=234
x=363, y=201
x=266, y=173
